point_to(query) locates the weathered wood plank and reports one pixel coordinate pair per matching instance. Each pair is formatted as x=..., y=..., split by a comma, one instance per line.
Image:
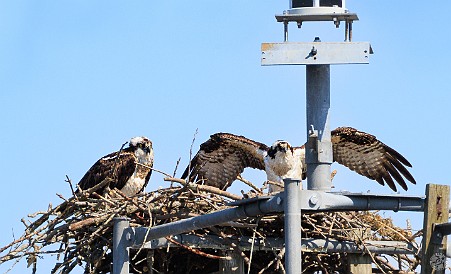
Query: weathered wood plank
x=435, y=212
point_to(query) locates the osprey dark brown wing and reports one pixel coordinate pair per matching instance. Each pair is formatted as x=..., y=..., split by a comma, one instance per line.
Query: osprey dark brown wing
x=366, y=155
x=110, y=166
x=223, y=157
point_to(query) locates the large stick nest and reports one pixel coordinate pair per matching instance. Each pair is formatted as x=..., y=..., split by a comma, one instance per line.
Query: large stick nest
x=79, y=232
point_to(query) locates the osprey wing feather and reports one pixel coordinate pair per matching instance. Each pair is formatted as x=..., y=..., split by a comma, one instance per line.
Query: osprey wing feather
x=112, y=165
x=223, y=157
x=366, y=155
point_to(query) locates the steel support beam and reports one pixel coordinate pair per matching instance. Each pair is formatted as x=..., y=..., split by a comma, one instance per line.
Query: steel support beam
x=268, y=244
x=292, y=226
x=318, y=154
x=345, y=201
x=121, y=244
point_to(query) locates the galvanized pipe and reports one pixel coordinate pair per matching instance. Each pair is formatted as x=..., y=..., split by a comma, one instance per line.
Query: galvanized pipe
x=376, y=247
x=285, y=31
x=342, y=201
x=350, y=31
x=319, y=147
x=346, y=30
x=267, y=244
x=292, y=228
x=121, y=243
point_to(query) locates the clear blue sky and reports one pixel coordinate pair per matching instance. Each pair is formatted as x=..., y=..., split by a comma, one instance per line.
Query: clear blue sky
x=79, y=78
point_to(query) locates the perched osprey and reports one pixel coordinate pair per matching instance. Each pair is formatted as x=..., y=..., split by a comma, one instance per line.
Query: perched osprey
x=129, y=168
x=224, y=156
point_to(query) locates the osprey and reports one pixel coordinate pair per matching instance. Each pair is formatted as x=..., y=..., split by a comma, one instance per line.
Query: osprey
x=130, y=168
x=224, y=156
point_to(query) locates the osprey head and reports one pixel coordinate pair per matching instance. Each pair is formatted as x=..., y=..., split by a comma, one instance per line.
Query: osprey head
x=141, y=143
x=279, y=146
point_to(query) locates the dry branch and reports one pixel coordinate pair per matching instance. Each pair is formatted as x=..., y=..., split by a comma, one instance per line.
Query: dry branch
x=210, y=189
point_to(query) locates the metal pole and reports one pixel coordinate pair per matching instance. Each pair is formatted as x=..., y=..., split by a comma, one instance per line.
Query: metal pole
x=121, y=243
x=346, y=31
x=350, y=31
x=270, y=244
x=319, y=147
x=292, y=209
x=285, y=31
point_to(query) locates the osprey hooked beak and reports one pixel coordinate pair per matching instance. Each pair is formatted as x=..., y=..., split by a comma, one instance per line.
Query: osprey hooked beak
x=284, y=146
x=146, y=149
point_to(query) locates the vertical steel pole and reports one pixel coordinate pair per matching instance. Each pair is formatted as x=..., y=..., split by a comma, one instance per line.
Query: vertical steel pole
x=285, y=31
x=292, y=210
x=319, y=147
x=121, y=244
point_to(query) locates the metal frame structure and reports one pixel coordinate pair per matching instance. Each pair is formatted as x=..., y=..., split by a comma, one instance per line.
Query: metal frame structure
x=317, y=57
x=297, y=200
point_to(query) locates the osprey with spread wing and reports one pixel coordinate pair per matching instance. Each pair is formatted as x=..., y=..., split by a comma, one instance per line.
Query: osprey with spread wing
x=225, y=156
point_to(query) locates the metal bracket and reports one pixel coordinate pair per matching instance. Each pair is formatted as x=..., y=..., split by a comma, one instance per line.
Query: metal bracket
x=321, y=149
x=439, y=232
x=335, y=17
x=315, y=53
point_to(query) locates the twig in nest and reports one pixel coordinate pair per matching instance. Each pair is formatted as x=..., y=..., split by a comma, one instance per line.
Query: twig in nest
x=176, y=166
x=275, y=184
x=360, y=240
x=117, y=160
x=276, y=259
x=210, y=189
x=249, y=183
x=118, y=191
x=235, y=247
x=254, y=232
x=196, y=251
x=154, y=169
x=87, y=222
x=68, y=180
x=100, y=197
x=142, y=246
x=316, y=257
x=191, y=151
